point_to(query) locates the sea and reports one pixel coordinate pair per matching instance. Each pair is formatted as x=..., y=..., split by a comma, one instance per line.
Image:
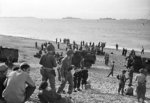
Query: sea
x=130, y=34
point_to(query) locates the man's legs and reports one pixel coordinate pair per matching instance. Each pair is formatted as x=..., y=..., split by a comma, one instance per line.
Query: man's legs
x=122, y=87
x=138, y=92
x=70, y=81
x=62, y=86
x=119, y=88
x=78, y=83
x=109, y=74
x=44, y=74
x=59, y=75
x=75, y=81
x=29, y=91
x=51, y=78
x=112, y=73
x=143, y=93
x=130, y=80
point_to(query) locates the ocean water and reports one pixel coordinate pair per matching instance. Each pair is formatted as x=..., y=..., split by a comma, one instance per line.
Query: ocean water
x=131, y=34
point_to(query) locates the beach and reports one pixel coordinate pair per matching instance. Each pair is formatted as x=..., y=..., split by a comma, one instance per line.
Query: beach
x=103, y=88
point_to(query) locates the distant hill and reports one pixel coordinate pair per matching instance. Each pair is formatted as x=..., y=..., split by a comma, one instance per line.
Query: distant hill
x=70, y=18
x=107, y=19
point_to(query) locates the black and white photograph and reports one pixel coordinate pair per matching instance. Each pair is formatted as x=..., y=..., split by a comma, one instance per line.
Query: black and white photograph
x=74, y=51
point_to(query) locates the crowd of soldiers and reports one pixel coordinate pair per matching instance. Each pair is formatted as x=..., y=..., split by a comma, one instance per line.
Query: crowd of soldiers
x=134, y=64
x=74, y=59
x=78, y=58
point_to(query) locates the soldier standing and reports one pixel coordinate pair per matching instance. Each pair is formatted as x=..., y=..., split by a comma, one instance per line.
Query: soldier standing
x=66, y=74
x=122, y=80
x=141, y=85
x=106, y=58
x=58, y=45
x=142, y=52
x=130, y=74
x=116, y=46
x=112, y=69
x=48, y=62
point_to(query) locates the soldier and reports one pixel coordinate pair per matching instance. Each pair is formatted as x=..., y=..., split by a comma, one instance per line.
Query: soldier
x=58, y=45
x=36, y=45
x=77, y=79
x=129, y=90
x=84, y=73
x=142, y=51
x=122, y=80
x=130, y=74
x=56, y=40
x=60, y=40
x=141, y=85
x=112, y=69
x=66, y=74
x=48, y=62
x=116, y=46
x=106, y=58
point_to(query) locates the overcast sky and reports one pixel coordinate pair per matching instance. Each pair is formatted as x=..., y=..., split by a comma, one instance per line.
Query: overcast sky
x=88, y=9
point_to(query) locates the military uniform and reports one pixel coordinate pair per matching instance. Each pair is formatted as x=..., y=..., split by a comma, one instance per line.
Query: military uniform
x=141, y=85
x=66, y=73
x=48, y=62
x=77, y=78
x=112, y=70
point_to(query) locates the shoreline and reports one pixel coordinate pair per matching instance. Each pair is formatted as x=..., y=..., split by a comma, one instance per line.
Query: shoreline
x=38, y=39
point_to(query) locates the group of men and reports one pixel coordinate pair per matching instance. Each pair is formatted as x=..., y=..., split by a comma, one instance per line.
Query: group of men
x=48, y=62
x=16, y=86
x=140, y=84
x=25, y=87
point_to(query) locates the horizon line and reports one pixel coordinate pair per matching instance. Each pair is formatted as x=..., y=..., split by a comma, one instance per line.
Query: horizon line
x=70, y=17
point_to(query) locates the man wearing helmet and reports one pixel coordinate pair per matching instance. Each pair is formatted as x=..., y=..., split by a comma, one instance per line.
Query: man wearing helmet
x=66, y=74
x=48, y=62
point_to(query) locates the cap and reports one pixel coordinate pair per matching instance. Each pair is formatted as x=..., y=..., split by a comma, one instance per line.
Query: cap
x=69, y=52
x=24, y=65
x=16, y=67
x=3, y=68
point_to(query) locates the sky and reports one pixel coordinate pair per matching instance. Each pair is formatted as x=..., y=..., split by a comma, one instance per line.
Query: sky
x=86, y=9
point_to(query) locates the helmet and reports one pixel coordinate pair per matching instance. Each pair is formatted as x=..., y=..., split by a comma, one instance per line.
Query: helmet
x=69, y=52
x=50, y=47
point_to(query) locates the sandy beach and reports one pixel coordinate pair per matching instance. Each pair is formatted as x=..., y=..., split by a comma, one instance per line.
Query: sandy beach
x=103, y=90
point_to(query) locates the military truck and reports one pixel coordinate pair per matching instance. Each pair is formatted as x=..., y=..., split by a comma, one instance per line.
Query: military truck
x=139, y=62
x=8, y=55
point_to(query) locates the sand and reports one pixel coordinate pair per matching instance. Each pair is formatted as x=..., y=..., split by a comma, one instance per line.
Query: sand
x=103, y=90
